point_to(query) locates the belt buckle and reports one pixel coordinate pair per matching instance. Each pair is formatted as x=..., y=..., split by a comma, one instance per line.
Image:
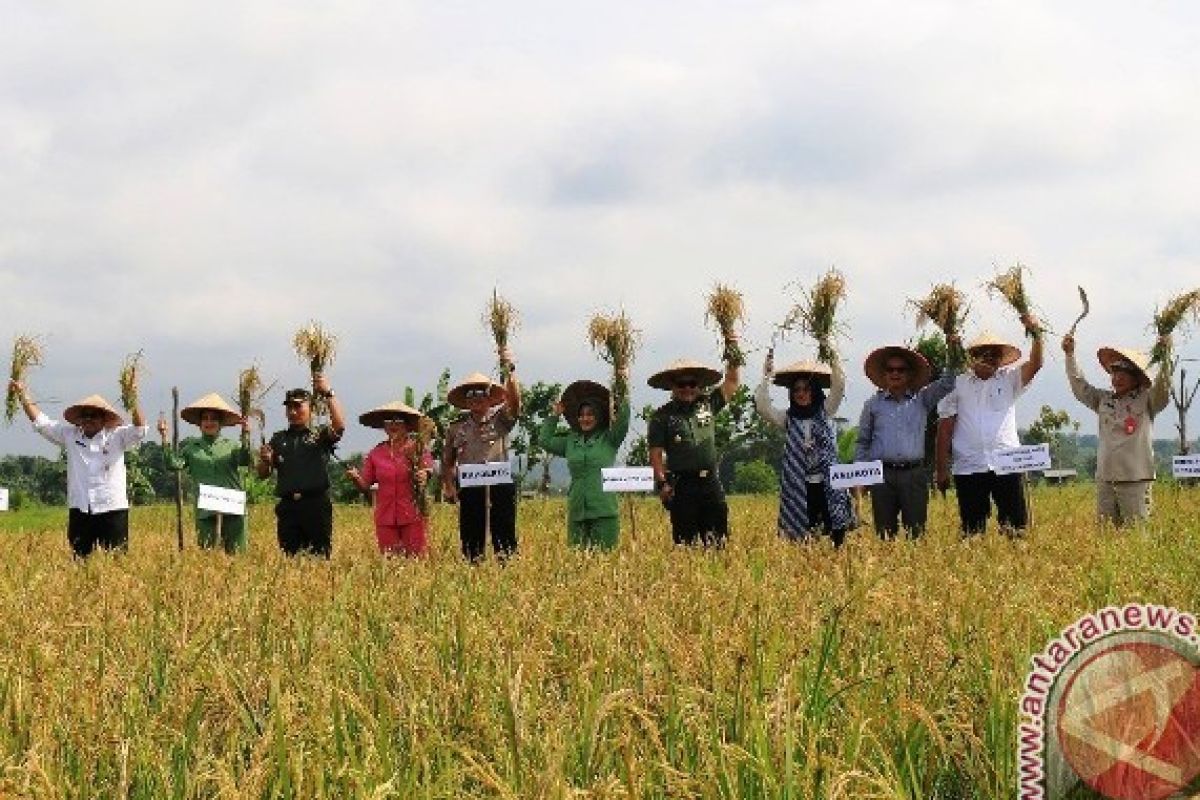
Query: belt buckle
x=297, y=495
x=702, y=473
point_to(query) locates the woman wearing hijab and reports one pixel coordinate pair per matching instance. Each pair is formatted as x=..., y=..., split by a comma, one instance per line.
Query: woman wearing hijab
x=399, y=468
x=214, y=461
x=806, y=500
x=590, y=445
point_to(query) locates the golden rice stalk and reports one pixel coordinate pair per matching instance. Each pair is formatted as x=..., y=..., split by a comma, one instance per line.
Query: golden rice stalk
x=26, y=353
x=315, y=346
x=727, y=310
x=1168, y=318
x=421, y=438
x=818, y=313
x=616, y=341
x=128, y=379
x=945, y=306
x=250, y=394
x=501, y=319
x=1010, y=285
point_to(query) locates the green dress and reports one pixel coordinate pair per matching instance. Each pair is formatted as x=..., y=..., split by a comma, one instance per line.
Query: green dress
x=214, y=461
x=592, y=519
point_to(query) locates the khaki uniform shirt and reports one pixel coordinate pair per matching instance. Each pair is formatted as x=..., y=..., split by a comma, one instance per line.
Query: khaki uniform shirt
x=1126, y=424
x=480, y=442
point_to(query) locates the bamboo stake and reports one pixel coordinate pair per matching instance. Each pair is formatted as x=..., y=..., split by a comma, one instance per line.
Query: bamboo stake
x=178, y=473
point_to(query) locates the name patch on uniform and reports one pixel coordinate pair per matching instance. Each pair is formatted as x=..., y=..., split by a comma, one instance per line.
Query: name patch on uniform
x=1186, y=466
x=860, y=473
x=3, y=499
x=489, y=474
x=220, y=500
x=1026, y=458
x=627, y=479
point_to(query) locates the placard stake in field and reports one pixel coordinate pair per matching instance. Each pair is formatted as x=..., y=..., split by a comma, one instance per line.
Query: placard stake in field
x=178, y=473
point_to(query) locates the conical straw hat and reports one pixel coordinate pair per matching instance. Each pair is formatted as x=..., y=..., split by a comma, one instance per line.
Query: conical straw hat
x=585, y=391
x=1139, y=361
x=1011, y=352
x=111, y=418
x=815, y=371
x=211, y=402
x=876, y=366
x=376, y=417
x=476, y=380
x=684, y=367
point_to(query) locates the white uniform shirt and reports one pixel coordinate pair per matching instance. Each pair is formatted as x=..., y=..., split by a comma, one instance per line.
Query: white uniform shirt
x=95, y=466
x=987, y=418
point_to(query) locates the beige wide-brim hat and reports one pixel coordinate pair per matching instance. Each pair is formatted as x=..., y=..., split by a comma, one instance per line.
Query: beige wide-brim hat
x=476, y=380
x=1011, y=353
x=111, y=418
x=1110, y=357
x=683, y=368
x=595, y=394
x=876, y=366
x=376, y=417
x=815, y=371
x=211, y=402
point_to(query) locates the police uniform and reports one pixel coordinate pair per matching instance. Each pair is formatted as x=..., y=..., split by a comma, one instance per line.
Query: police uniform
x=687, y=434
x=479, y=442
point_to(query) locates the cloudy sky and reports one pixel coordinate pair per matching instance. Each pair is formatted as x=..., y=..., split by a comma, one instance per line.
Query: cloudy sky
x=199, y=179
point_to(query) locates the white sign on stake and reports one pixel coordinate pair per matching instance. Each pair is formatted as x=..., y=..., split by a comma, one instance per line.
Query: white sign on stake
x=1026, y=458
x=627, y=479
x=3, y=499
x=222, y=501
x=1186, y=466
x=860, y=473
x=489, y=474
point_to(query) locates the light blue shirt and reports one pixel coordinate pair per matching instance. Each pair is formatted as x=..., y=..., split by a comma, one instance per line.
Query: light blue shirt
x=893, y=428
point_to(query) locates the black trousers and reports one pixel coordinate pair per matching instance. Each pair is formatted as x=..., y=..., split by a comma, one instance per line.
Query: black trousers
x=818, y=513
x=305, y=525
x=699, y=514
x=903, y=496
x=473, y=520
x=977, y=491
x=109, y=530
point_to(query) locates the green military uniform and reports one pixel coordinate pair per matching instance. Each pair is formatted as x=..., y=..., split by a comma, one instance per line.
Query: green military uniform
x=687, y=434
x=214, y=461
x=592, y=514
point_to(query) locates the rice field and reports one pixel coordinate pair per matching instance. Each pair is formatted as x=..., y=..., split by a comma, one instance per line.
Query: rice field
x=887, y=670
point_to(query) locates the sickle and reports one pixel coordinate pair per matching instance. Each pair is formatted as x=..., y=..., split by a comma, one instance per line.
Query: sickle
x=1086, y=308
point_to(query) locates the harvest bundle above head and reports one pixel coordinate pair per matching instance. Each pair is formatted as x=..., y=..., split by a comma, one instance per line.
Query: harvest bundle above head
x=500, y=317
x=1168, y=318
x=1010, y=285
x=26, y=353
x=944, y=306
x=130, y=372
x=616, y=341
x=818, y=313
x=727, y=310
x=315, y=346
x=250, y=394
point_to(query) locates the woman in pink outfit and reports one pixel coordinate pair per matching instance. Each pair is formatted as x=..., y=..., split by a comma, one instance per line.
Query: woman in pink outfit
x=399, y=469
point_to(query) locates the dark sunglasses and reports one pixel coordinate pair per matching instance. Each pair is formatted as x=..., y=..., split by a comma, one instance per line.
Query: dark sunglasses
x=988, y=354
x=474, y=393
x=89, y=414
x=896, y=369
x=687, y=384
x=395, y=421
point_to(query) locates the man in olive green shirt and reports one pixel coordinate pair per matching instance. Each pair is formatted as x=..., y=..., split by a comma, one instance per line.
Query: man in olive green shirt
x=300, y=458
x=683, y=450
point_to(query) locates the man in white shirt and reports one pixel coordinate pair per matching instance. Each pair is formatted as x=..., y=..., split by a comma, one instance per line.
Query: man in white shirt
x=94, y=439
x=978, y=418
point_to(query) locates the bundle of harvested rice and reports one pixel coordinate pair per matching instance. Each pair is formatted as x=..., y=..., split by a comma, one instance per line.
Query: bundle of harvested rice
x=616, y=341
x=945, y=306
x=1010, y=285
x=426, y=428
x=727, y=310
x=819, y=313
x=501, y=319
x=1168, y=318
x=315, y=346
x=250, y=394
x=26, y=353
x=128, y=379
